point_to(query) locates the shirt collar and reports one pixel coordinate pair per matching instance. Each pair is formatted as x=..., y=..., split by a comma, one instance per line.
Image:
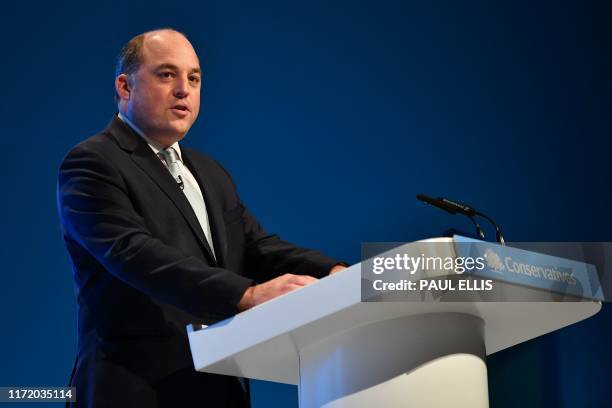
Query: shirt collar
x=156, y=147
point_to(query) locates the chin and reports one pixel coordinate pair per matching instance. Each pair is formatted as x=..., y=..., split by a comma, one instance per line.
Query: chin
x=179, y=127
x=181, y=131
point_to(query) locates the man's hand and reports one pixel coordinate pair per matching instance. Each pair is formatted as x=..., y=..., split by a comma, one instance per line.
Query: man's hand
x=257, y=294
x=336, y=268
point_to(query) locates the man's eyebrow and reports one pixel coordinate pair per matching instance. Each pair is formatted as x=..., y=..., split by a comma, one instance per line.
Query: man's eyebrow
x=166, y=66
x=175, y=68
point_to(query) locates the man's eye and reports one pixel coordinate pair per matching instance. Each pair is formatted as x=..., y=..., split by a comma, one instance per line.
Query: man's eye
x=165, y=75
x=195, y=79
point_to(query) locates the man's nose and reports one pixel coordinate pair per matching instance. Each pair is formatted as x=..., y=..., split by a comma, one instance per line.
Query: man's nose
x=181, y=88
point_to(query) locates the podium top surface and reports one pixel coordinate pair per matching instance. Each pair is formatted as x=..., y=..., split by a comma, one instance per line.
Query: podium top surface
x=263, y=342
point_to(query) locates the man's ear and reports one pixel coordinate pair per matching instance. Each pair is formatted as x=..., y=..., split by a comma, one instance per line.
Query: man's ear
x=122, y=86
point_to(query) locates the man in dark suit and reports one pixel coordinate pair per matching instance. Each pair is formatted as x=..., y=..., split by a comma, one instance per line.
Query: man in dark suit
x=159, y=239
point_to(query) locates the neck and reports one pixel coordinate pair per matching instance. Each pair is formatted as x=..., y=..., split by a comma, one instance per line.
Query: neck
x=163, y=140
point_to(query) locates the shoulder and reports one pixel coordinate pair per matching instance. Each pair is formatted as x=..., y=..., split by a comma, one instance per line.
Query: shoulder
x=115, y=140
x=101, y=144
x=95, y=156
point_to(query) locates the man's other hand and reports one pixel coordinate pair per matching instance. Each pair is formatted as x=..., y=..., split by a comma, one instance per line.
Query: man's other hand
x=336, y=268
x=263, y=292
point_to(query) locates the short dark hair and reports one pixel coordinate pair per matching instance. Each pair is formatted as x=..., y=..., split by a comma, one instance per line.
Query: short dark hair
x=129, y=59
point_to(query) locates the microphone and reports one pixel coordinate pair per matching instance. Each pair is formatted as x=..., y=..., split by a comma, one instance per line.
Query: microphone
x=453, y=207
x=448, y=205
x=179, y=181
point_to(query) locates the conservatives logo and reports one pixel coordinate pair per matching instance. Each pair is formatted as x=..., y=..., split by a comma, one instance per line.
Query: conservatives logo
x=551, y=273
x=494, y=262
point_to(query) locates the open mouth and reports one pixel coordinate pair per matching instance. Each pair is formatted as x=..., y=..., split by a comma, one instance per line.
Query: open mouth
x=180, y=110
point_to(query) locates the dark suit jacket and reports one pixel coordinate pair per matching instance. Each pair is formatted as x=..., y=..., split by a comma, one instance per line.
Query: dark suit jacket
x=142, y=267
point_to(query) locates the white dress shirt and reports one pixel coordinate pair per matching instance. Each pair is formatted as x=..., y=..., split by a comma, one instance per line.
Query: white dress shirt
x=187, y=176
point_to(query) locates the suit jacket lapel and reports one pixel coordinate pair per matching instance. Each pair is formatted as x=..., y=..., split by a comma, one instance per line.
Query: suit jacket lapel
x=215, y=212
x=144, y=157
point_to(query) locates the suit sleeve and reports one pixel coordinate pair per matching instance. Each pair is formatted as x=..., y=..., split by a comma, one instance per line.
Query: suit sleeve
x=268, y=256
x=96, y=211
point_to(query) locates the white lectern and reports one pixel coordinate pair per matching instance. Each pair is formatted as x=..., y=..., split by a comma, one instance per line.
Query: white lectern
x=342, y=352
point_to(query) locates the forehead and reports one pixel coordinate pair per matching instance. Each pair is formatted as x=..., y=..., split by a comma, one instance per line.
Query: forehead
x=168, y=47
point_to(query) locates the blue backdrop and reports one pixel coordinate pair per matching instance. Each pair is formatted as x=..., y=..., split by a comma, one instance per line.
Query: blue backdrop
x=331, y=116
